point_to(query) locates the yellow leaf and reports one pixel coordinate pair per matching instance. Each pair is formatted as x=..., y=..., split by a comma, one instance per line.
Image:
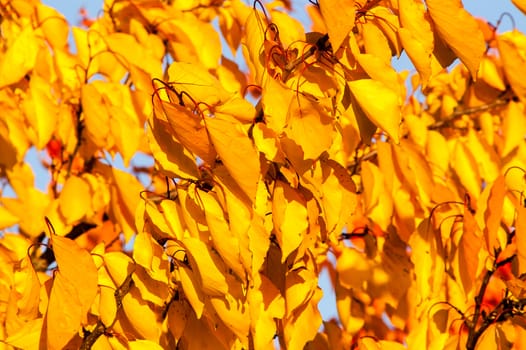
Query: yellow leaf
x=170, y=155
x=353, y=269
x=133, y=53
x=381, y=71
x=31, y=201
x=191, y=289
x=144, y=345
x=375, y=42
x=54, y=26
x=64, y=313
x=150, y=255
x=75, y=199
x=76, y=265
x=266, y=304
x=303, y=325
x=267, y=142
x=119, y=267
x=253, y=46
x=289, y=214
x=111, y=118
x=203, y=46
x=187, y=127
x=493, y=213
x=20, y=58
x=27, y=337
x=198, y=83
x=41, y=110
x=380, y=104
x=236, y=107
x=469, y=246
x=454, y=24
x=276, y=96
x=107, y=306
x=223, y=240
x=310, y=127
x=141, y=315
x=429, y=267
x=7, y=219
x=465, y=166
x=300, y=287
x=377, y=202
x=339, y=19
x=416, y=36
x=212, y=280
x=513, y=127
x=237, y=152
x=491, y=73
x=125, y=198
x=230, y=29
x=233, y=311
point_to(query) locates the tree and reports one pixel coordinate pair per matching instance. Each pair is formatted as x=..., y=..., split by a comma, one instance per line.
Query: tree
x=306, y=152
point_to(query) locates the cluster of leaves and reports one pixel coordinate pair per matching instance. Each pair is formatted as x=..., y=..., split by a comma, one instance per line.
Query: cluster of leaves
x=312, y=155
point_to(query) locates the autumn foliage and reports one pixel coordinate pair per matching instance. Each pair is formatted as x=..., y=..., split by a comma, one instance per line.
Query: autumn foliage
x=278, y=152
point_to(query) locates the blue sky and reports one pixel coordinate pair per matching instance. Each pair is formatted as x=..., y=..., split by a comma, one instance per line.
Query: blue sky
x=491, y=10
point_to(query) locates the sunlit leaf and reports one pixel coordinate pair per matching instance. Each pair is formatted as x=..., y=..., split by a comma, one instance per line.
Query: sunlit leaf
x=237, y=152
x=380, y=104
x=453, y=23
x=20, y=58
x=339, y=19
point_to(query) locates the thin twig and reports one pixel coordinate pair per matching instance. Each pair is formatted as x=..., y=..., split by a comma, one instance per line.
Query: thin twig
x=469, y=110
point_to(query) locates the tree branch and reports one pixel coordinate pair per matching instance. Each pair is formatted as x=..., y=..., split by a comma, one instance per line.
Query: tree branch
x=100, y=328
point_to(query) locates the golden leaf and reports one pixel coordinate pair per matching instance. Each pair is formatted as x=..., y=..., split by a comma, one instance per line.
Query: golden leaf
x=107, y=306
x=119, y=267
x=42, y=111
x=338, y=17
x=187, y=127
x=513, y=127
x=465, y=166
x=289, y=214
x=191, y=289
x=266, y=304
x=54, y=26
x=212, y=280
x=141, y=315
x=309, y=127
x=237, y=152
x=7, y=219
x=380, y=104
x=20, y=58
x=125, y=197
x=453, y=23
x=223, y=240
x=469, y=246
x=75, y=199
x=64, y=315
x=27, y=337
x=202, y=46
